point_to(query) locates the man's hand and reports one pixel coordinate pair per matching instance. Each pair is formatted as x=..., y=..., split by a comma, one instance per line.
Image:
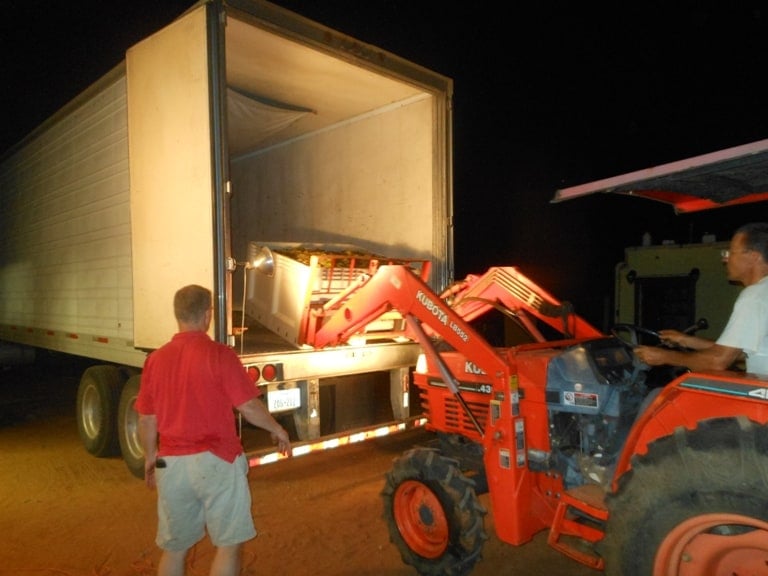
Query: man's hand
x=280, y=437
x=674, y=337
x=149, y=474
x=148, y=439
x=651, y=355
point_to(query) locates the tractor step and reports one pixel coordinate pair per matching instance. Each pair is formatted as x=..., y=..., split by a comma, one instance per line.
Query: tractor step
x=579, y=523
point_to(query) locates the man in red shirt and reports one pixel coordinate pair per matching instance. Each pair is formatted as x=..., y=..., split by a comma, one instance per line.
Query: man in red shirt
x=193, y=454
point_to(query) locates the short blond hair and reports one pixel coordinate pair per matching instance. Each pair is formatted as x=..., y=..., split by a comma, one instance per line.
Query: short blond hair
x=191, y=303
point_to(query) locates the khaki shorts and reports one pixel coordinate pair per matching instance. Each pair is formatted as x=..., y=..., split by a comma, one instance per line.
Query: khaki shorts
x=199, y=492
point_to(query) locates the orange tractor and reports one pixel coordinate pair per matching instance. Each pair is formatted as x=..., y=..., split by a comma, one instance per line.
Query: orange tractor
x=567, y=432
x=632, y=470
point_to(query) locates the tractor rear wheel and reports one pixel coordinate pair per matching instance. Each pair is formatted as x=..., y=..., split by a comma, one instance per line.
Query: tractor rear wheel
x=433, y=514
x=696, y=504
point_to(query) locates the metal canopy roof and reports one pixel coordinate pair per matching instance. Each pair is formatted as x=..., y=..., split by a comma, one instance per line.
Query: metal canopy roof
x=729, y=177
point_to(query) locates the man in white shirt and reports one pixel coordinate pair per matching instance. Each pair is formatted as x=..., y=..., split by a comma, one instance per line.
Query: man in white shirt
x=746, y=334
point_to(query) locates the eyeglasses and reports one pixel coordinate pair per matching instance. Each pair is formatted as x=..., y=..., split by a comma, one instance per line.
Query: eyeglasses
x=725, y=254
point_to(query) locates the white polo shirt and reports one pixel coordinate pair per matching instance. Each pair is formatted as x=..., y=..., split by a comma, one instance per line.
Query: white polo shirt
x=747, y=327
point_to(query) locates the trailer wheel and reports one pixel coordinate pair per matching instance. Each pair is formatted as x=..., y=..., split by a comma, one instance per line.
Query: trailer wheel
x=128, y=427
x=97, y=399
x=695, y=504
x=434, y=517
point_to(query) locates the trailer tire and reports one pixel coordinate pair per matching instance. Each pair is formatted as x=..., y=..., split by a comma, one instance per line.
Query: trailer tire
x=433, y=514
x=696, y=503
x=97, y=398
x=128, y=427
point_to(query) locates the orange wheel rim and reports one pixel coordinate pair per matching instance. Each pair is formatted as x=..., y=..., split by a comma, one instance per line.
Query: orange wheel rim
x=692, y=549
x=420, y=519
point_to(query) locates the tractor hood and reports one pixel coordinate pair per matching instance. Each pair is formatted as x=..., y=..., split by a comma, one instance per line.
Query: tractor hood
x=726, y=178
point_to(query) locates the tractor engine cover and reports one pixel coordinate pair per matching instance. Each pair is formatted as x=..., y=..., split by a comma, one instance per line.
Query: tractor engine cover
x=588, y=378
x=593, y=394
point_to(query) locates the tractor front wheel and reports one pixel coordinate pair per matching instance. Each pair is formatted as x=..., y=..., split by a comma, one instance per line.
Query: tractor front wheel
x=696, y=504
x=434, y=516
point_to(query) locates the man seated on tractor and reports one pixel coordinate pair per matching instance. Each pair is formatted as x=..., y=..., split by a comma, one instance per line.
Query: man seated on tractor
x=746, y=335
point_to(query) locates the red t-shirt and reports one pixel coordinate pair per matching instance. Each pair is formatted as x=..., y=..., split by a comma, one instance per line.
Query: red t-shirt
x=192, y=384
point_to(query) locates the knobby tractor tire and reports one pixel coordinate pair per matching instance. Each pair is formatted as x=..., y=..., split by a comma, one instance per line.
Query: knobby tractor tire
x=128, y=428
x=696, y=504
x=433, y=514
x=97, y=399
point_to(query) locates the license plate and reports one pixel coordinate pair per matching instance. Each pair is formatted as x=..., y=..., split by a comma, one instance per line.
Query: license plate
x=286, y=399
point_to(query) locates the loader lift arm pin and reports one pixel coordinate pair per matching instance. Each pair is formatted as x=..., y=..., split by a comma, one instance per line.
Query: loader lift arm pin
x=450, y=381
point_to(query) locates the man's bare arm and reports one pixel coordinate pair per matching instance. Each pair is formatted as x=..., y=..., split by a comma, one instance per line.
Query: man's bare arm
x=713, y=357
x=257, y=414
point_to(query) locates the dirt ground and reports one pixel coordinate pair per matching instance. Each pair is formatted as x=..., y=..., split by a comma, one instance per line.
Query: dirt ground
x=66, y=513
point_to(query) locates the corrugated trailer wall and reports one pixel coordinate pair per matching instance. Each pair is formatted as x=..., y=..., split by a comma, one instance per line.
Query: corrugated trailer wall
x=65, y=263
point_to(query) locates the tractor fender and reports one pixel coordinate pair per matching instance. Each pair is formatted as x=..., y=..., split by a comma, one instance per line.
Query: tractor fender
x=689, y=400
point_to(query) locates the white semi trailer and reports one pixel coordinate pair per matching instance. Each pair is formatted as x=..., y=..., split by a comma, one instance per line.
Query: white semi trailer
x=250, y=150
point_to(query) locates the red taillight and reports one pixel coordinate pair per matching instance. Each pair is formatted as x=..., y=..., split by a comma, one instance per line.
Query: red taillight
x=269, y=372
x=261, y=373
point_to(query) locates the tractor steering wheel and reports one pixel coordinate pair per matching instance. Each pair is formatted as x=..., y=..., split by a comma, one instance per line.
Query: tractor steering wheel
x=657, y=376
x=629, y=334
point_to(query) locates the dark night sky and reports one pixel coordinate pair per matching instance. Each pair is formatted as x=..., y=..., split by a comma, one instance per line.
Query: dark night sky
x=547, y=95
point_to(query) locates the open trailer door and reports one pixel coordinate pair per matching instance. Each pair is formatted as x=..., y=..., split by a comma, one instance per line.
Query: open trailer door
x=170, y=125
x=729, y=177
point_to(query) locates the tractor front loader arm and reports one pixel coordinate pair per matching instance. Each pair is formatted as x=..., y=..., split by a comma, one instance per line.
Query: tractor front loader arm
x=396, y=287
x=513, y=293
